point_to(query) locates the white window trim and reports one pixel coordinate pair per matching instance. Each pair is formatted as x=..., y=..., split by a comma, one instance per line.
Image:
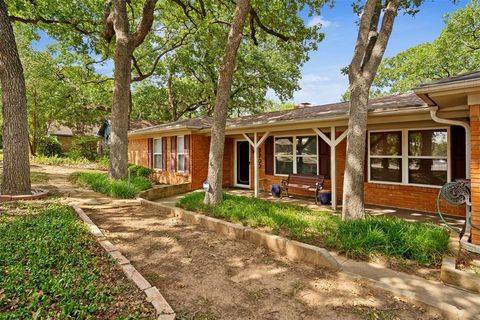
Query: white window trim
x=180, y=153
x=158, y=153
x=405, y=156
x=294, y=155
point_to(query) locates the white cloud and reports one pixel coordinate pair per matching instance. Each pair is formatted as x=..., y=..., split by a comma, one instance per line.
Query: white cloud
x=319, y=20
x=312, y=79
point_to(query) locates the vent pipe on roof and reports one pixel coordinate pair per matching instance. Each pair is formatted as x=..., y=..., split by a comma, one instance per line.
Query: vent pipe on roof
x=303, y=105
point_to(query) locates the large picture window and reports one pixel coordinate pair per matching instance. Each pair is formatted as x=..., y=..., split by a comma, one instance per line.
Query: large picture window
x=296, y=154
x=418, y=157
x=157, y=154
x=180, y=153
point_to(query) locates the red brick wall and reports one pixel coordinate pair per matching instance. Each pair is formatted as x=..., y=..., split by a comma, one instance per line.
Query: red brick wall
x=138, y=152
x=407, y=197
x=199, y=150
x=199, y=159
x=475, y=170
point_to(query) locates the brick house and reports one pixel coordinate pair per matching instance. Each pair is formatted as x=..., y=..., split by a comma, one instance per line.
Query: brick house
x=416, y=142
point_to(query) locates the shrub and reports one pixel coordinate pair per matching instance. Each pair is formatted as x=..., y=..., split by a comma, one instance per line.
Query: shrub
x=100, y=182
x=422, y=242
x=139, y=171
x=84, y=147
x=49, y=146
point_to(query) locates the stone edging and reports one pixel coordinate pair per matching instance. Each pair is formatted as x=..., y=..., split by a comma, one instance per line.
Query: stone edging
x=163, y=309
x=41, y=193
x=293, y=250
x=449, y=274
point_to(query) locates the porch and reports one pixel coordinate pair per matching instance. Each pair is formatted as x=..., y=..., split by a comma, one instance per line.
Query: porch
x=372, y=210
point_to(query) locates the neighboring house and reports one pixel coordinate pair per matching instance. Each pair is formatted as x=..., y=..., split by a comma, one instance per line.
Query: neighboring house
x=416, y=142
x=65, y=135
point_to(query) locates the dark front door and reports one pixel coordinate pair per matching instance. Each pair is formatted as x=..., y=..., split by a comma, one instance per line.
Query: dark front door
x=243, y=163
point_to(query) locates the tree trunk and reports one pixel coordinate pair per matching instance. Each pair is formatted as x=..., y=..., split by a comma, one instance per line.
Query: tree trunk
x=354, y=176
x=16, y=166
x=368, y=54
x=117, y=24
x=120, y=110
x=224, y=88
x=171, y=100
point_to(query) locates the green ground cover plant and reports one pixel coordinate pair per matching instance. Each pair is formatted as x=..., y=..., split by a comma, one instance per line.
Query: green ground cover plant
x=389, y=236
x=51, y=268
x=100, y=182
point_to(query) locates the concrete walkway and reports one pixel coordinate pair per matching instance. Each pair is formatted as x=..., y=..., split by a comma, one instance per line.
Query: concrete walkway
x=454, y=303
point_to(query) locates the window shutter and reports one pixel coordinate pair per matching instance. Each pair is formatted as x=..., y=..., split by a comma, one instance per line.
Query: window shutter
x=366, y=177
x=269, y=156
x=150, y=152
x=458, y=155
x=173, y=153
x=164, y=153
x=323, y=158
x=187, y=153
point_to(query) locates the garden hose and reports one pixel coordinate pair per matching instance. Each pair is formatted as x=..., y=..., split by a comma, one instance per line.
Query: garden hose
x=456, y=193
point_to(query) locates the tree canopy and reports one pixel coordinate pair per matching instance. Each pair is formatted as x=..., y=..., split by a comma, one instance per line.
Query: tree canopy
x=455, y=51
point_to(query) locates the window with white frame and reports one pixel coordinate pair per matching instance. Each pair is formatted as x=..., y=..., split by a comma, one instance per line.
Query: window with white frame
x=296, y=154
x=386, y=156
x=428, y=157
x=157, y=154
x=180, y=153
x=409, y=156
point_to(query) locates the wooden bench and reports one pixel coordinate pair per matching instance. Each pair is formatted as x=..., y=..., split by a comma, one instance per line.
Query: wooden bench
x=303, y=182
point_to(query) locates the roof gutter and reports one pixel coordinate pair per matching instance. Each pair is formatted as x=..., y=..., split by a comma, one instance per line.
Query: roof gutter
x=465, y=84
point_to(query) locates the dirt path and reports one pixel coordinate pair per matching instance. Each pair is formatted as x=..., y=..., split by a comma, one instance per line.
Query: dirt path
x=206, y=276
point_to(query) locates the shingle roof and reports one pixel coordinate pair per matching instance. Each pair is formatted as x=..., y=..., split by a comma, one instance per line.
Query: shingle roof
x=195, y=123
x=142, y=124
x=391, y=103
x=475, y=75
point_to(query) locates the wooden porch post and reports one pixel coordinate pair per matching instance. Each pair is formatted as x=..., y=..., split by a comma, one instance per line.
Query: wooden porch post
x=333, y=141
x=256, y=144
x=333, y=168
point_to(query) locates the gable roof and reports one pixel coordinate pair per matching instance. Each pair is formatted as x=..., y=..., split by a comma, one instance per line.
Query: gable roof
x=306, y=113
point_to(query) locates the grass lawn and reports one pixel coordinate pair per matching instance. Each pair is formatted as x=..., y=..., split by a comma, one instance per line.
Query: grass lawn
x=115, y=188
x=393, y=237
x=51, y=268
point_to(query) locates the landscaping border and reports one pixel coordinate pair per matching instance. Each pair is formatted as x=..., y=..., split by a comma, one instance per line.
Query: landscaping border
x=40, y=194
x=163, y=309
x=293, y=250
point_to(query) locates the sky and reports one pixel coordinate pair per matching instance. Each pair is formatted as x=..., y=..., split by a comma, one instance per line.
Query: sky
x=322, y=81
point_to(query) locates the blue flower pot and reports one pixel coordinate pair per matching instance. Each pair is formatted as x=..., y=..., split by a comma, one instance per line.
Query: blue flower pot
x=325, y=197
x=276, y=190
